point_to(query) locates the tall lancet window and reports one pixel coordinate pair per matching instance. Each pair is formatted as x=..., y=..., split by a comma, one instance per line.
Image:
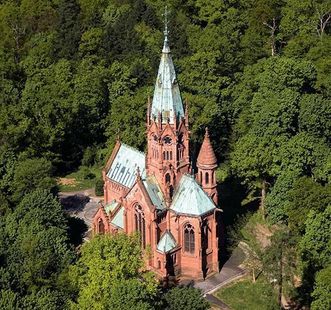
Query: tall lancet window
x=101, y=227
x=205, y=231
x=140, y=224
x=189, y=240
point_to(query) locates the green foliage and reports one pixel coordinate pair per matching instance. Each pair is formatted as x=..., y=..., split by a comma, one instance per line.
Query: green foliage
x=84, y=178
x=314, y=117
x=76, y=74
x=108, y=275
x=315, y=246
x=322, y=290
x=99, y=187
x=185, y=298
x=89, y=156
x=38, y=253
x=276, y=202
x=305, y=196
x=129, y=127
x=31, y=174
x=9, y=300
x=279, y=261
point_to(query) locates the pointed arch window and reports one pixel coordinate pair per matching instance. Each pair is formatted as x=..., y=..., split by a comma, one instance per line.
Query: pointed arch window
x=140, y=224
x=101, y=227
x=205, y=231
x=189, y=238
x=207, y=177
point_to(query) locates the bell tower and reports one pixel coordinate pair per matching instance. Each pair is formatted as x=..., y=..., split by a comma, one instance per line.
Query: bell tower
x=167, y=127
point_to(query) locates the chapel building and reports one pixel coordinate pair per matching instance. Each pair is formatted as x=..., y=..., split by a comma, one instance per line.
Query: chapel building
x=157, y=195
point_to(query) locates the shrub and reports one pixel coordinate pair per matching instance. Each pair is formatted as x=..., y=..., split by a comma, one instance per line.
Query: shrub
x=99, y=187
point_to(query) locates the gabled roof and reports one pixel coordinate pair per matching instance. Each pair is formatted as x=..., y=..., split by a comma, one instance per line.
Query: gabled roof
x=154, y=192
x=124, y=165
x=118, y=219
x=110, y=207
x=190, y=198
x=166, y=243
x=166, y=99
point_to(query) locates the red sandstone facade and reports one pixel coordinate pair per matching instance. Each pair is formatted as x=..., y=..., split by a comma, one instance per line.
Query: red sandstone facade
x=174, y=211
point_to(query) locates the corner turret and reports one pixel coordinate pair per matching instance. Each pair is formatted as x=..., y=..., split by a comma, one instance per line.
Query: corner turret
x=207, y=164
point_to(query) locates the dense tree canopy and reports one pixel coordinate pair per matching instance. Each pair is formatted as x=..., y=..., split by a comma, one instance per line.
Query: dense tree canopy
x=108, y=275
x=75, y=74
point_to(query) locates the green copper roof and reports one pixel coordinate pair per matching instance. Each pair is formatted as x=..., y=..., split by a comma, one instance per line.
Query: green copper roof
x=118, y=219
x=166, y=243
x=110, y=207
x=154, y=192
x=166, y=99
x=190, y=198
x=124, y=166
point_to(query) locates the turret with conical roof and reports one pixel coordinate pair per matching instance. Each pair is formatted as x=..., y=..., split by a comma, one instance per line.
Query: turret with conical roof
x=207, y=164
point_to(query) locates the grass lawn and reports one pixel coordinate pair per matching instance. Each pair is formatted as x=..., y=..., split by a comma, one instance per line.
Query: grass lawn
x=249, y=296
x=81, y=179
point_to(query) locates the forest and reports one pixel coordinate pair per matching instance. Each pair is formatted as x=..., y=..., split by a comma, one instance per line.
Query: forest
x=74, y=74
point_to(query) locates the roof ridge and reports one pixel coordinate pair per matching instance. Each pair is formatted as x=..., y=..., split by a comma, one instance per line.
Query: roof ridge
x=133, y=148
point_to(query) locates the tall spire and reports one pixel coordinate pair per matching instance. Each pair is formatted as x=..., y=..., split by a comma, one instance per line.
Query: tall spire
x=167, y=99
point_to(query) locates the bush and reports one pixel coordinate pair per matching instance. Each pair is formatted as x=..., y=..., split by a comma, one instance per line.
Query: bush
x=99, y=187
x=89, y=156
x=86, y=173
x=185, y=298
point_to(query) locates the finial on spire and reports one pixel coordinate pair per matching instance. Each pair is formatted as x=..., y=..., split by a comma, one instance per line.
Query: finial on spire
x=138, y=175
x=166, y=48
x=206, y=132
x=165, y=23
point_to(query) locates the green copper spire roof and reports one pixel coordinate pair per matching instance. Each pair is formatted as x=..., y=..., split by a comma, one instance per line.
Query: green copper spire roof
x=190, y=198
x=166, y=100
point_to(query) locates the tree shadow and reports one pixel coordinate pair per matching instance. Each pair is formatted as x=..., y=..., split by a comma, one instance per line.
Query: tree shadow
x=74, y=203
x=76, y=230
x=232, y=193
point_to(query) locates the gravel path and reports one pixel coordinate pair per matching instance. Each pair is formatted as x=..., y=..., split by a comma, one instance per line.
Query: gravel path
x=82, y=204
x=230, y=272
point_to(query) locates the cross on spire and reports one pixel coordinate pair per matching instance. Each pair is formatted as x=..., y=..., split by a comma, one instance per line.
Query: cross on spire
x=165, y=15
